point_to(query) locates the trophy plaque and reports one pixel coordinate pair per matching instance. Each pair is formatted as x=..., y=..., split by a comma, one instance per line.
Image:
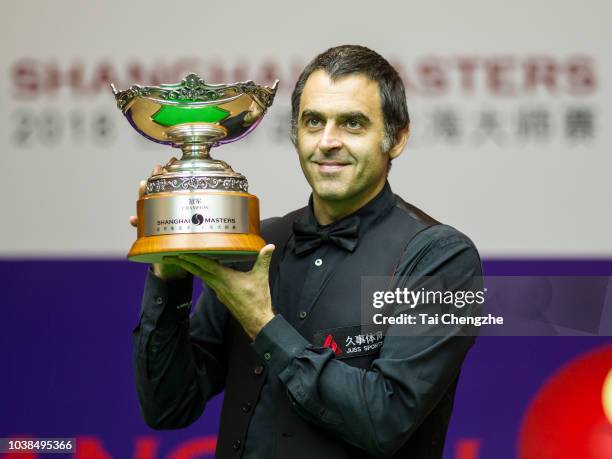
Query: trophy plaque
x=197, y=204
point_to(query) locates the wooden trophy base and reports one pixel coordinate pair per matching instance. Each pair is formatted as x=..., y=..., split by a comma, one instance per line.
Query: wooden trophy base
x=226, y=247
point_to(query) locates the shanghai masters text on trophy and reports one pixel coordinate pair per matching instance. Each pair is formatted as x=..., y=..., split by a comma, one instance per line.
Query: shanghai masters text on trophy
x=196, y=204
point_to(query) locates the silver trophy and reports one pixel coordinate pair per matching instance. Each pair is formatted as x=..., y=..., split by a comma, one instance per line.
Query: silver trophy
x=197, y=204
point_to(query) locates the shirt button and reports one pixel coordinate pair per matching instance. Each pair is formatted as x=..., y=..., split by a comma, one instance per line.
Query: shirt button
x=246, y=407
x=267, y=356
x=318, y=262
x=159, y=300
x=302, y=315
x=236, y=444
x=258, y=370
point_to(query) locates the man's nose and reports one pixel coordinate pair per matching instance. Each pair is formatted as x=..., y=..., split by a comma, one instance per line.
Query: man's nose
x=330, y=139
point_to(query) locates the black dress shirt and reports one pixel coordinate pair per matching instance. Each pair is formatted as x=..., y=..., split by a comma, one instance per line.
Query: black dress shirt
x=180, y=361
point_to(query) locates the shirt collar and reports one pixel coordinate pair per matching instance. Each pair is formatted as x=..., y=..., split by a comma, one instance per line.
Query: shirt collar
x=370, y=213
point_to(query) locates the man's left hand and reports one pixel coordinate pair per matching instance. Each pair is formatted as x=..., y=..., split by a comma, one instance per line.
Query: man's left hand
x=246, y=294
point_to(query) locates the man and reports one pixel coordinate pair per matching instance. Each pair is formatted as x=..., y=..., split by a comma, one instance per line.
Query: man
x=276, y=337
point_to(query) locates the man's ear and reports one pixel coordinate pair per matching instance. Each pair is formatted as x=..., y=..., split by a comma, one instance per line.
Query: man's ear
x=400, y=143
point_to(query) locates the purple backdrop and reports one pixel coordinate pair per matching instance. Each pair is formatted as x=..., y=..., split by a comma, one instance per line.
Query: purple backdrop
x=67, y=371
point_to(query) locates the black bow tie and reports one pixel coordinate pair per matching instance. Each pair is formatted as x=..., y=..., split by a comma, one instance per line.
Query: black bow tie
x=308, y=237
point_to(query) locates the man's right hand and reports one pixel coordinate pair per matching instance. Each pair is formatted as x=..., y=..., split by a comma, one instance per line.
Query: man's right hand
x=164, y=271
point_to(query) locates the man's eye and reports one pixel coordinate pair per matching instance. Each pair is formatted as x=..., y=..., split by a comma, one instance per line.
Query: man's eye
x=353, y=124
x=313, y=122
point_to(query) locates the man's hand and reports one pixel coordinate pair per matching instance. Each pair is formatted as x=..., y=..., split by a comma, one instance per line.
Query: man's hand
x=162, y=270
x=246, y=294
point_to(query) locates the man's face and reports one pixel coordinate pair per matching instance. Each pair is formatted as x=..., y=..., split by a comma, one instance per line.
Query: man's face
x=340, y=132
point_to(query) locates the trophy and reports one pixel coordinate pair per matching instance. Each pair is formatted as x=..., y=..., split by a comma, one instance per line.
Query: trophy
x=197, y=204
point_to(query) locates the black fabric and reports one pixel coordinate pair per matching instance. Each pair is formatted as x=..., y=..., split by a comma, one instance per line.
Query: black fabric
x=285, y=394
x=309, y=236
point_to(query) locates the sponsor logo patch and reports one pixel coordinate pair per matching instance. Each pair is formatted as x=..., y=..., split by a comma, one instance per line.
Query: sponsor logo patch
x=352, y=341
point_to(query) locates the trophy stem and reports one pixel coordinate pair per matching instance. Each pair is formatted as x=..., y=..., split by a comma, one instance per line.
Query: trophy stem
x=195, y=151
x=196, y=139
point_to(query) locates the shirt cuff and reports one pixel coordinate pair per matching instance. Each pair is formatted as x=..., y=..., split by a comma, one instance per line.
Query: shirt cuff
x=278, y=343
x=166, y=302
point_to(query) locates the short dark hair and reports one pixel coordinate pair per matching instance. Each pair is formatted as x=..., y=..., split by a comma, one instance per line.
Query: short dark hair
x=346, y=60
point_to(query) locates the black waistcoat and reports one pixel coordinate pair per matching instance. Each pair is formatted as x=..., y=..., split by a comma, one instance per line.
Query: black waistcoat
x=378, y=254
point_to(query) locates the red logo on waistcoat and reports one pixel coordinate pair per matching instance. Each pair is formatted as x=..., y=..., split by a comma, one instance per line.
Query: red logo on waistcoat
x=329, y=342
